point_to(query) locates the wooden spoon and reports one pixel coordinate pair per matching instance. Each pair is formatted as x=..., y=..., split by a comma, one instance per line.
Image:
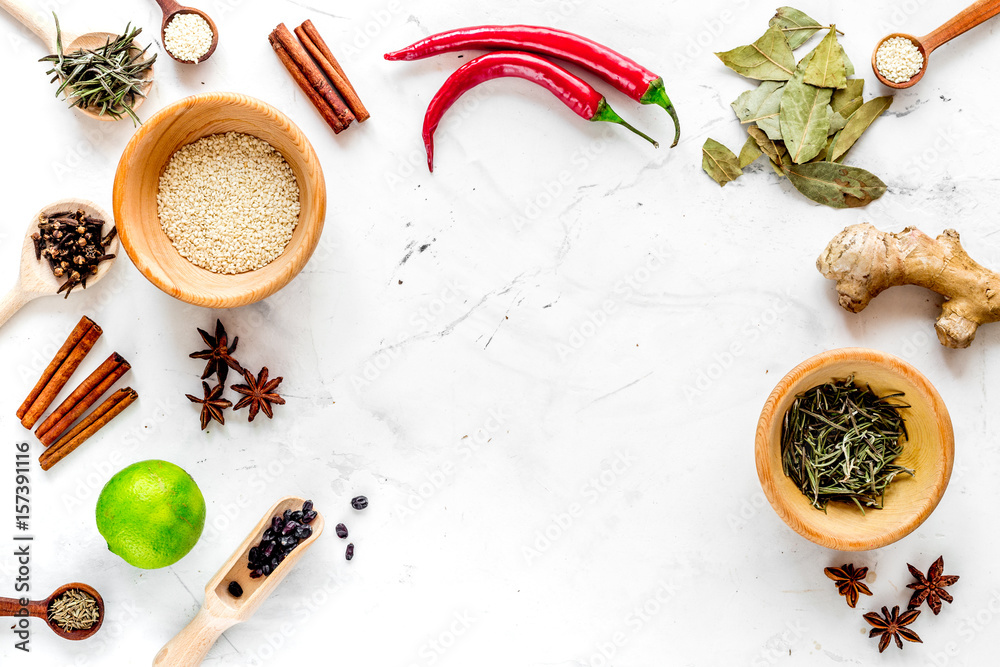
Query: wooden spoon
x=170, y=10
x=221, y=610
x=35, y=278
x=45, y=28
x=40, y=609
x=965, y=20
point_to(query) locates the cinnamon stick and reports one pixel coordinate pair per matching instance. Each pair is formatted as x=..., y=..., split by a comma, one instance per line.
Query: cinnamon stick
x=317, y=48
x=311, y=72
x=93, y=423
x=317, y=100
x=58, y=372
x=88, y=393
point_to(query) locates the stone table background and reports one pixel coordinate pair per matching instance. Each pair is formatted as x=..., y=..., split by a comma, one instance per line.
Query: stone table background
x=543, y=364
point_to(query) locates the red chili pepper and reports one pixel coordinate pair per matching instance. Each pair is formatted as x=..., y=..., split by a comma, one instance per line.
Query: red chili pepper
x=623, y=73
x=574, y=92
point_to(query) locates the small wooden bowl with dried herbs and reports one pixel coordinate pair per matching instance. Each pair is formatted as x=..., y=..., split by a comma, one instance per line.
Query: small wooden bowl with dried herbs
x=887, y=505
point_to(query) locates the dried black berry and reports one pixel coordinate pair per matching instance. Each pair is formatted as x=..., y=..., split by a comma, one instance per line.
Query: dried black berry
x=235, y=589
x=308, y=516
x=359, y=502
x=341, y=531
x=265, y=570
x=254, y=553
x=288, y=541
x=296, y=516
x=303, y=532
x=286, y=515
x=307, y=506
x=350, y=551
x=290, y=527
x=256, y=574
x=270, y=534
x=268, y=550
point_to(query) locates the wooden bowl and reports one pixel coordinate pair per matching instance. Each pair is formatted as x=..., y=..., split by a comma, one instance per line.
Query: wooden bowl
x=929, y=451
x=137, y=182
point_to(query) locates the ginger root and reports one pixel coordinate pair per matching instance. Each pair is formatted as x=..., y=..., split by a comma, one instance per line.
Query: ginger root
x=865, y=261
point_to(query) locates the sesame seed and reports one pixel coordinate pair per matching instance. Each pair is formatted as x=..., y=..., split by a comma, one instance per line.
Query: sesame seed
x=228, y=202
x=188, y=37
x=898, y=59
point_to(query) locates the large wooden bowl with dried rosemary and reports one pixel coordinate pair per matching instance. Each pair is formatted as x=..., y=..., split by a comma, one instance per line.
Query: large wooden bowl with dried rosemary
x=137, y=183
x=894, y=507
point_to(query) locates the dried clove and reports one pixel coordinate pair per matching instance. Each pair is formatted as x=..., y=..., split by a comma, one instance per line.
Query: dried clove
x=73, y=246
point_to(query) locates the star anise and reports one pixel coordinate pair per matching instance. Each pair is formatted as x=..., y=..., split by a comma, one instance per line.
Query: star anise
x=258, y=393
x=893, y=626
x=212, y=405
x=931, y=587
x=218, y=354
x=850, y=582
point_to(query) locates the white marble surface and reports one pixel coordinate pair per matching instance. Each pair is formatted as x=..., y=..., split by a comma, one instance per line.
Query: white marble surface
x=536, y=340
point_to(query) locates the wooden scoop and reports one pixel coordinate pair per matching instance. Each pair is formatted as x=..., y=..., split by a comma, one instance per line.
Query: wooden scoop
x=170, y=10
x=40, y=609
x=221, y=610
x=45, y=28
x=36, y=278
x=965, y=20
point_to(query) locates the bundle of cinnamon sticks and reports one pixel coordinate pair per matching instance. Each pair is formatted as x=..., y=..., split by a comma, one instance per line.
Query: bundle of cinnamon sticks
x=55, y=431
x=318, y=74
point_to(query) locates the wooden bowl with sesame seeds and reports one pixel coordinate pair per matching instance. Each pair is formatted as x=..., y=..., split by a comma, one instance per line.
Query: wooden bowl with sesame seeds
x=928, y=449
x=137, y=184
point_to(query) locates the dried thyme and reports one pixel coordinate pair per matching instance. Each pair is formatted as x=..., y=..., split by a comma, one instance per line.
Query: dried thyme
x=839, y=441
x=74, y=610
x=107, y=80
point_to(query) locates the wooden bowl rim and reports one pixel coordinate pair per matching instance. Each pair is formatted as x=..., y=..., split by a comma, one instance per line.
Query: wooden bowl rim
x=763, y=445
x=251, y=294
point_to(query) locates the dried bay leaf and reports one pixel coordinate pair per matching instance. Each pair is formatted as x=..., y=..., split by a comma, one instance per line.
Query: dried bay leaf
x=768, y=59
x=803, y=116
x=837, y=121
x=826, y=67
x=853, y=89
x=719, y=162
x=859, y=121
x=848, y=65
x=795, y=25
x=771, y=126
x=836, y=185
x=760, y=103
x=774, y=150
x=750, y=152
x=850, y=107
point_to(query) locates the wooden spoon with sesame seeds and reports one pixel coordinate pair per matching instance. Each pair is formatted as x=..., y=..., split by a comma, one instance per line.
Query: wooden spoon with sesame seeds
x=965, y=20
x=43, y=25
x=35, y=278
x=172, y=9
x=40, y=609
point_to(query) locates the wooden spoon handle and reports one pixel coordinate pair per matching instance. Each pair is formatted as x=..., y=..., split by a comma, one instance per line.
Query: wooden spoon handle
x=14, y=300
x=168, y=6
x=34, y=21
x=966, y=19
x=192, y=644
x=12, y=607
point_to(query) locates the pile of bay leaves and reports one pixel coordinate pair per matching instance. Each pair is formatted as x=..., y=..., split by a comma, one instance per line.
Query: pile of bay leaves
x=804, y=117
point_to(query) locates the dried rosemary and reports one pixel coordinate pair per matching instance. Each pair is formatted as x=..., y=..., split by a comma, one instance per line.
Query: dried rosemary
x=839, y=441
x=107, y=80
x=74, y=610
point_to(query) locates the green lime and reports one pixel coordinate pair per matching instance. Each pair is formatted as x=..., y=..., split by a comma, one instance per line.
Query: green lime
x=151, y=513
